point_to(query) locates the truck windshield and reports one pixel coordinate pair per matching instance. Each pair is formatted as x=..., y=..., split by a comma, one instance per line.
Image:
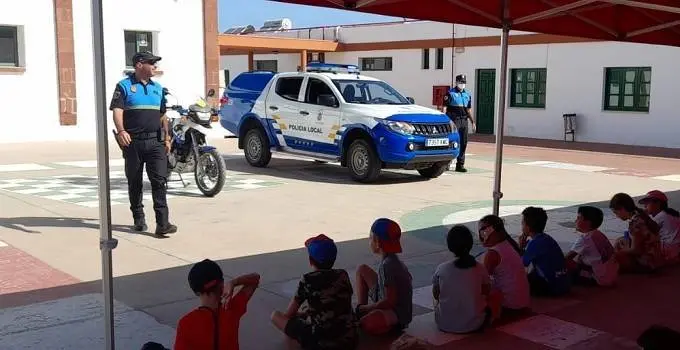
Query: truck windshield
x=369, y=92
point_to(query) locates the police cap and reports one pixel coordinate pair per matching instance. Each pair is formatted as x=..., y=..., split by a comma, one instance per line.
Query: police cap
x=145, y=57
x=461, y=78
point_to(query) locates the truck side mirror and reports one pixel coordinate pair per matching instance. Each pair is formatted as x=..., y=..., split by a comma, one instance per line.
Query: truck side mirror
x=411, y=100
x=327, y=100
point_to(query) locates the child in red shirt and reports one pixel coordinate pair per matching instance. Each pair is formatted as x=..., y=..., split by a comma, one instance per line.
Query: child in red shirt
x=221, y=309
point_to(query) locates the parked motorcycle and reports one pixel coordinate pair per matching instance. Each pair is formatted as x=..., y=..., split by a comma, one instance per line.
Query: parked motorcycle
x=190, y=150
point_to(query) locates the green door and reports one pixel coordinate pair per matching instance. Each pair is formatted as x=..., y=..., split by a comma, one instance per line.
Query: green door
x=486, y=100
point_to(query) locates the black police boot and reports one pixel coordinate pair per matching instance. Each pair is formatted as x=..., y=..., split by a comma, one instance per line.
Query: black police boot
x=460, y=168
x=140, y=224
x=166, y=230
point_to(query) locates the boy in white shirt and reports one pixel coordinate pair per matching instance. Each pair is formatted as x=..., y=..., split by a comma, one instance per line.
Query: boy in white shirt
x=590, y=259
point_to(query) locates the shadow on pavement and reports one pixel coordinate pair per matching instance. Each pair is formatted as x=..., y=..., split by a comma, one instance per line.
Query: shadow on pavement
x=307, y=170
x=165, y=295
x=26, y=224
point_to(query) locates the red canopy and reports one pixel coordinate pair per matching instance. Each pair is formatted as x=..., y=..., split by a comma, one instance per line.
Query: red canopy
x=649, y=21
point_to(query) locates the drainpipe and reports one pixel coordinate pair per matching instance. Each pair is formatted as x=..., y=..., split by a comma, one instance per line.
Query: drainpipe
x=453, y=49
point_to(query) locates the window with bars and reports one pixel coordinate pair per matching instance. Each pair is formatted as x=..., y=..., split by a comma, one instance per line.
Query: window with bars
x=627, y=89
x=136, y=41
x=376, y=63
x=528, y=88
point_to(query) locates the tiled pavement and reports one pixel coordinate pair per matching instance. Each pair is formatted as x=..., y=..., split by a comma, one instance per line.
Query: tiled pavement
x=589, y=319
x=573, y=160
x=82, y=189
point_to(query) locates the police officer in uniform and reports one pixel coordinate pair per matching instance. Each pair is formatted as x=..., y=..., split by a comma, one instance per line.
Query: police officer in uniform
x=458, y=104
x=138, y=107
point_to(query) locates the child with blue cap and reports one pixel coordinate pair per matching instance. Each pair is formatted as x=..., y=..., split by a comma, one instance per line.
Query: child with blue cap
x=328, y=322
x=390, y=289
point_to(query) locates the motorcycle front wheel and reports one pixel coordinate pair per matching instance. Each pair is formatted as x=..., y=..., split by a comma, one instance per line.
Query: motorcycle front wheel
x=210, y=173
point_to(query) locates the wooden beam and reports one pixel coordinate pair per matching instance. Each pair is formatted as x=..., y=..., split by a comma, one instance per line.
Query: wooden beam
x=252, y=42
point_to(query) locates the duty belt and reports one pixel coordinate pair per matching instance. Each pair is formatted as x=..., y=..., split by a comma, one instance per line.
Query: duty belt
x=144, y=135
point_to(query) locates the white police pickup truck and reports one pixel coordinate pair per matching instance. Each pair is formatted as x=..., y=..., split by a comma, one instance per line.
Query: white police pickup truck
x=331, y=112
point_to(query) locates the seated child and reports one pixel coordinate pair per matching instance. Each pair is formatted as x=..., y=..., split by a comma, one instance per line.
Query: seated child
x=668, y=219
x=461, y=288
x=328, y=322
x=220, y=307
x=503, y=262
x=590, y=260
x=640, y=252
x=548, y=273
x=390, y=289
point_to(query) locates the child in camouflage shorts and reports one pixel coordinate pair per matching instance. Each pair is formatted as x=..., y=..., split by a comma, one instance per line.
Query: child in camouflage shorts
x=328, y=322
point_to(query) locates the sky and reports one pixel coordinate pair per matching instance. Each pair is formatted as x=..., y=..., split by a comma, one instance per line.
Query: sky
x=234, y=13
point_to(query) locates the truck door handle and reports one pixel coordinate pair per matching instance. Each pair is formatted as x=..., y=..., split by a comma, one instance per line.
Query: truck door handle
x=304, y=112
x=274, y=108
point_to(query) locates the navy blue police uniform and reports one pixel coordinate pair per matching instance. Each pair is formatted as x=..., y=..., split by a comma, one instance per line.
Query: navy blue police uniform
x=143, y=105
x=458, y=102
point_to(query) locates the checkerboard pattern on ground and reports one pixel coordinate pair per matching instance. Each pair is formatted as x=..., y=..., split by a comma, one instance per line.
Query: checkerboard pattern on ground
x=82, y=189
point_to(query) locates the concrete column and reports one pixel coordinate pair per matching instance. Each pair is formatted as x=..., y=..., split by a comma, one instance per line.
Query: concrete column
x=66, y=62
x=251, y=61
x=303, y=60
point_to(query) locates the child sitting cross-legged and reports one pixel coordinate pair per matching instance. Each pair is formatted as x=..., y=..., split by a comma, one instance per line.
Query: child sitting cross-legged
x=328, y=323
x=543, y=256
x=462, y=288
x=590, y=260
x=503, y=262
x=390, y=289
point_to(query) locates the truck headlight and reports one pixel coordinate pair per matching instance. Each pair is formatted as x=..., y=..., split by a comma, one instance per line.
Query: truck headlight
x=400, y=127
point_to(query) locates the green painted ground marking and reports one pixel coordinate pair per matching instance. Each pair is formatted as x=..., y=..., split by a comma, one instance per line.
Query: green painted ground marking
x=432, y=223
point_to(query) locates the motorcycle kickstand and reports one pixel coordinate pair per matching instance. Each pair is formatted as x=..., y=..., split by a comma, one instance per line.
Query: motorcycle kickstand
x=185, y=184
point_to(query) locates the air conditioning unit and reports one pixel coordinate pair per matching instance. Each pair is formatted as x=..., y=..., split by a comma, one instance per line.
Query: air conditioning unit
x=240, y=30
x=277, y=25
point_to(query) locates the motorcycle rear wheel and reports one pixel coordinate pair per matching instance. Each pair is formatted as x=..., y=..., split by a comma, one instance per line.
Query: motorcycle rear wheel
x=210, y=164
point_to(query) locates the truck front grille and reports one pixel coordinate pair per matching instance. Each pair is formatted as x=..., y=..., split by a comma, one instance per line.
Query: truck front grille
x=432, y=129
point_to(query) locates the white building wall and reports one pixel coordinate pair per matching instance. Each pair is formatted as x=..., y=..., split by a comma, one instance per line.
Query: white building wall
x=238, y=64
x=409, y=30
x=181, y=47
x=30, y=103
x=575, y=81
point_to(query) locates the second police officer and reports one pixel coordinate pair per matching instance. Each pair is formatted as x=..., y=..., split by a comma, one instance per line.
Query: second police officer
x=458, y=102
x=138, y=106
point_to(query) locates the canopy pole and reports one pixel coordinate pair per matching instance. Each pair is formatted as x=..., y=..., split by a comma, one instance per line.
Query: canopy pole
x=500, y=122
x=106, y=242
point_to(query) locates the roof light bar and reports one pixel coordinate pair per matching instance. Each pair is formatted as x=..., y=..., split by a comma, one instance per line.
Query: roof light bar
x=332, y=68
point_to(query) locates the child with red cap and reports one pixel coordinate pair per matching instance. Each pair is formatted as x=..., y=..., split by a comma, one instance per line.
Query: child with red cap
x=390, y=289
x=328, y=322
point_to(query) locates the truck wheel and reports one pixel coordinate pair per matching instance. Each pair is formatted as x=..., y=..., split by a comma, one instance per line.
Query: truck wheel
x=256, y=148
x=363, y=162
x=434, y=171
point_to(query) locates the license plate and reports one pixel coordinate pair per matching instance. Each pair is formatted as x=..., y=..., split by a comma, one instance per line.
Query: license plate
x=436, y=142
